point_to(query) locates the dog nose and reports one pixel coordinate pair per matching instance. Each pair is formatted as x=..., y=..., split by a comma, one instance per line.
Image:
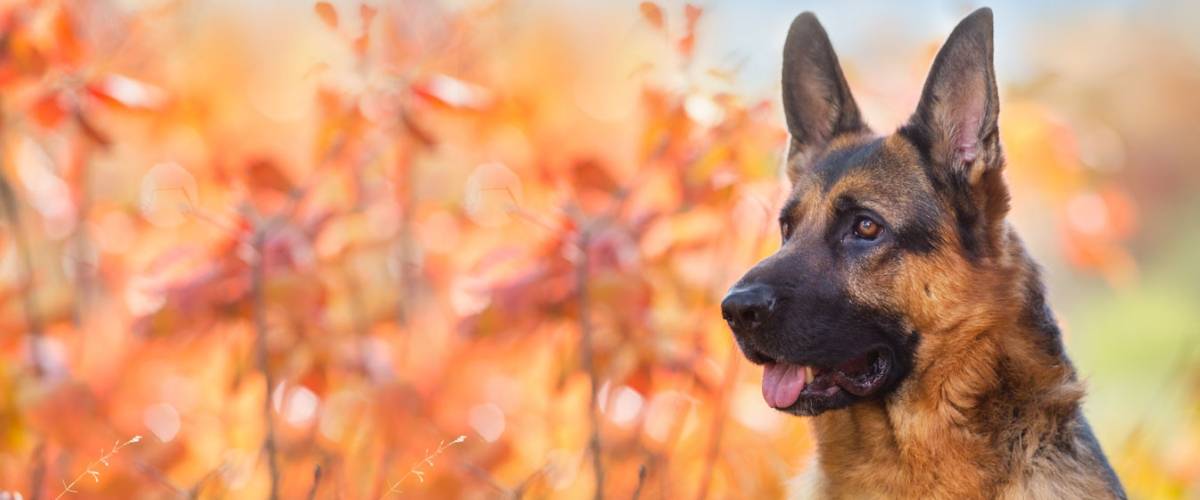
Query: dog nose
x=748, y=306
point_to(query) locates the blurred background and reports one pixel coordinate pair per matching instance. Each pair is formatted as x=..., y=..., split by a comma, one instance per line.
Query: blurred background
x=474, y=248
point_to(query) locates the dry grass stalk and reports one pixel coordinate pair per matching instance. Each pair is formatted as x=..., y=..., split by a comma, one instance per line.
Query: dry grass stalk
x=416, y=469
x=92, y=467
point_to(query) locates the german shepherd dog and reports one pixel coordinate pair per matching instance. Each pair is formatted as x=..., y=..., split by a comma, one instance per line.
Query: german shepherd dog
x=902, y=312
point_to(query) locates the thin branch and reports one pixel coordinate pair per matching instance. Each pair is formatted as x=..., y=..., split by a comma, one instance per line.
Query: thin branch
x=731, y=369
x=718, y=423
x=525, y=484
x=38, y=472
x=404, y=236
x=316, y=484
x=91, y=470
x=83, y=206
x=33, y=319
x=258, y=296
x=153, y=473
x=484, y=477
x=194, y=492
x=530, y=217
x=379, y=473
x=637, y=492
x=588, y=359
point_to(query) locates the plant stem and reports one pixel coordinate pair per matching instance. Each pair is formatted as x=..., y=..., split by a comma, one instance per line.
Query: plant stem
x=637, y=491
x=259, y=304
x=718, y=423
x=588, y=358
x=316, y=483
x=33, y=319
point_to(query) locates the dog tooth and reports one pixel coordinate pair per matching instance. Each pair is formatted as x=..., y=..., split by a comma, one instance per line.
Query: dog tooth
x=808, y=373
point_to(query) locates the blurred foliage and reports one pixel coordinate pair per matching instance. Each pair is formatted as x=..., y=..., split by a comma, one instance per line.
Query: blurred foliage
x=306, y=260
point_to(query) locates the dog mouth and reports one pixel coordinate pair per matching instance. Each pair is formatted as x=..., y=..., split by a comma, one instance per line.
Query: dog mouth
x=787, y=385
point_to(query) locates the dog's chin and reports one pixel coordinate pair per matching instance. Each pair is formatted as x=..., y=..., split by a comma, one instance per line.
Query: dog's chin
x=811, y=405
x=809, y=388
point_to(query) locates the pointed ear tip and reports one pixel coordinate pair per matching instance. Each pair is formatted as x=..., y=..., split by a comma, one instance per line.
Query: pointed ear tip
x=976, y=26
x=981, y=18
x=805, y=21
x=806, y=33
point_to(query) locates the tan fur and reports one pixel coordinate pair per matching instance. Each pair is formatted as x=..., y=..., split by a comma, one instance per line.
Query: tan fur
x=989, y=405
x=984, y=399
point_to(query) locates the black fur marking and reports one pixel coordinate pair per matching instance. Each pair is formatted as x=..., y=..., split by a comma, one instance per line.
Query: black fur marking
x=787, y=213
x=961, y=73
x=917, y=233
x=920, y=233
x=952, y=187
x=838, y=162
x=1038, y=316
x=814, y=323
x=1084, y=433
x=966, y=216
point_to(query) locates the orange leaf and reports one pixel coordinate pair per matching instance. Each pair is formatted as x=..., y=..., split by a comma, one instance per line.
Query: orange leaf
x=264, y=174
x=127, y=92
x=417, y=131
x=90, y=130
x=687, y=44
x=692, y=14
x=48, y=110
x=368, y=14
x=67, y=46
x=325, y=10
x=361, y=44
x=452, y=93
x=653, y=14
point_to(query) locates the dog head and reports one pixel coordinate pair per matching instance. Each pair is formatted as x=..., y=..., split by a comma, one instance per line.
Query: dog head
x=881, y=234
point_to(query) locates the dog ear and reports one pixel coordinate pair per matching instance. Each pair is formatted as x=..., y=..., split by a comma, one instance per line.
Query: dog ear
x=956, y=117
x=955, y=125
x=816, y=100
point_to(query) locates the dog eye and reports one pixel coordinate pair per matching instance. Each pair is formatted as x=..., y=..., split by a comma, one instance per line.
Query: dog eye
x=866, y=228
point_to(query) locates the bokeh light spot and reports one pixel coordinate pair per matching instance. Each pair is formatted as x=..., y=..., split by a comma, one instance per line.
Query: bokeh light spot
x=168, y=194
x=163, y=421
x=626, y=406
x=487, y=420
x=493, y=192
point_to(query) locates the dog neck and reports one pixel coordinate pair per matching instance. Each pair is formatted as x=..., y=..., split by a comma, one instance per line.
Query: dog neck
x=980, y=392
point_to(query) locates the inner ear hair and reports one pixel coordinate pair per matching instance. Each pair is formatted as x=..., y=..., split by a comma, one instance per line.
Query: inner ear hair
x=956, y=119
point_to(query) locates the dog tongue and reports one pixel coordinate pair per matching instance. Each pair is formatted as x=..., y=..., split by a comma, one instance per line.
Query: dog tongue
x=782, y=383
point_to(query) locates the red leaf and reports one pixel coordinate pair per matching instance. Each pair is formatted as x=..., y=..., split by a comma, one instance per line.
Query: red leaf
x=361, y=44
x=127, y=93
x=653, y=14
x=264, y=174
x=691, y=13
x=48, y=110
x=687, y=44
x=327, y=13
x=452, y=93
x=67, y=46
x=90, y=130
x=368, y=14
x=417, y=130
